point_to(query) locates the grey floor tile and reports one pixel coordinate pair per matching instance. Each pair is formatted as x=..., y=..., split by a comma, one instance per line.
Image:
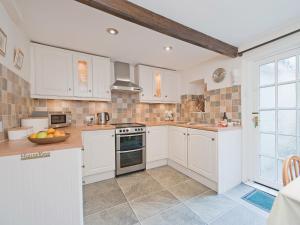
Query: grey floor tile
x=239, y=191
x=167, y=176
x=178, y=215
x=152, y=204
x=101, y=195
x=210, y=206
x=188, y=189
x=118, y=215
x=138, y=184
x=240, y=216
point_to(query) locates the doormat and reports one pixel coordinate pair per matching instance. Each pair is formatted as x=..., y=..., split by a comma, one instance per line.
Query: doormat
x=260, y=199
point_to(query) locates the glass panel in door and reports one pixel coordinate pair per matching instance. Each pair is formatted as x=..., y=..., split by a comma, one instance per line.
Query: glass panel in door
x=279, y=106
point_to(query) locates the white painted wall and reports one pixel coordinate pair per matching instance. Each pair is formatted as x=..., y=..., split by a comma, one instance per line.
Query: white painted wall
x=206, y=69
x=16, y=38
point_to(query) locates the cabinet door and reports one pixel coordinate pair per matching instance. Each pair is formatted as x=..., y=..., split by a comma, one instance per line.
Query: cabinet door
x=99, y=152
x=82, y=71
x=170, y=87
x=52, y=71
x=37, y=191
x=157, y=143
x=146, y=82
x=202, y=154
x=178, y=145
x=101, y=78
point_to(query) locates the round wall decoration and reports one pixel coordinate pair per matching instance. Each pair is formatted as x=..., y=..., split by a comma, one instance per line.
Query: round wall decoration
x=219, y=75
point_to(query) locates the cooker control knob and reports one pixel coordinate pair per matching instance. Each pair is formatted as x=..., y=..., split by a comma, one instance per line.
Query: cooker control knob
x=124, y=130
x=127, y=130
x=136, y=129
x=120, y=131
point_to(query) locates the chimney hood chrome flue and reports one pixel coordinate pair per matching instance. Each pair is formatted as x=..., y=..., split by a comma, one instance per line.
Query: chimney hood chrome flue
x=122, y=79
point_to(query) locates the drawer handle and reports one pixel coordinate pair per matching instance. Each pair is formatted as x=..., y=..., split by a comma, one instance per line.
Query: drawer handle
x=36, y=155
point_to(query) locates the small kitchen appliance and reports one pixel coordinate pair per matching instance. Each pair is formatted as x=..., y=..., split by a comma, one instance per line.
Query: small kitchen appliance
x=56, y=119
x=103, y=117
x=130, y=147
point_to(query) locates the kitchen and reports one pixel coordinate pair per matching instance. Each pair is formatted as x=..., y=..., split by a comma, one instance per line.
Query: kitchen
x=156, y=133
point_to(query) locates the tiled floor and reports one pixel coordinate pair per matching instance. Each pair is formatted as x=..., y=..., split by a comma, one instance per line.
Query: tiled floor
x=163, y=196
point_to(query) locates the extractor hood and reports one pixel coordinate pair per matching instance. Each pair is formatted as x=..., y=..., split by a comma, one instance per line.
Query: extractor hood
x=122, y=79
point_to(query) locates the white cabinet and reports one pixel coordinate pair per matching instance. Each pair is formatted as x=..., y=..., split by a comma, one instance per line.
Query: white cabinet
x=44, y=191
x=178, y=145
x=157, y=143
x=52, y=71
x=99, y=152
x=82, y=75
x=202, y=153
x=159, y=85
x=101, y=78
x=64, y=74
x=171, y=93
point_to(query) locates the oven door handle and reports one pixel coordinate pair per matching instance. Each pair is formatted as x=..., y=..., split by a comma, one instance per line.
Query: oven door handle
x=131, y=135
x=135, y=150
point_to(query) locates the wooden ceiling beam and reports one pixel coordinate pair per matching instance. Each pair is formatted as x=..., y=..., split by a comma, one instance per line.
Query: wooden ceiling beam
x=146, y=18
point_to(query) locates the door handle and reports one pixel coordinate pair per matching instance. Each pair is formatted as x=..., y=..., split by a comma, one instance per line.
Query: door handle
x=255, y=119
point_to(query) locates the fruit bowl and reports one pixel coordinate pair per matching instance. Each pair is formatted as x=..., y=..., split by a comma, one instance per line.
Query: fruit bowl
x=49, y=140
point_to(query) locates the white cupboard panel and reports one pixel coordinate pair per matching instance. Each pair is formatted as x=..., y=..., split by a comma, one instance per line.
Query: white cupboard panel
x=157, y=143
x=146, y=82
x=101, y=78
x=52, y=68
x=178, y=145
x=99, y=152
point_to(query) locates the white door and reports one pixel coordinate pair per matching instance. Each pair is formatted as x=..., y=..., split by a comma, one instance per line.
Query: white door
x=202, y=154
x=52, y=71
x=146, y=82
x=157, y=143
x=178, y=145
x=99, y=152
x=82, y=71
x=101, y=78
x=170, y=90
x=279, y=116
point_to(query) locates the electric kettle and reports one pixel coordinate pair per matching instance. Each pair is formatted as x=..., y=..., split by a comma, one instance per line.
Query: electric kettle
x=103, y=117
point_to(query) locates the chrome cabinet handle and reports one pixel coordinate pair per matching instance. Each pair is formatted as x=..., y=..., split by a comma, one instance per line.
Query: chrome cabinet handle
x=113, y=135
x=90, y=90
x=70, y=89
x=213, y=139
x=183, y=133
x=148, y=132
x=83, y=166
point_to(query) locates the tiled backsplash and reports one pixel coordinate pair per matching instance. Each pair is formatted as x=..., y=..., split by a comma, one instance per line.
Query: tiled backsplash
x=15, y=102
x=124, y=108
x=216, y=103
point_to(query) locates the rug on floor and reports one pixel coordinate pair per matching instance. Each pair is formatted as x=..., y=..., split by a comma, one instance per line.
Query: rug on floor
x=260, y=199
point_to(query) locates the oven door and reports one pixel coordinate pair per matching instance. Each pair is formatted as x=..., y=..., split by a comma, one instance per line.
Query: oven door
x=130, y=161
x=126, y=142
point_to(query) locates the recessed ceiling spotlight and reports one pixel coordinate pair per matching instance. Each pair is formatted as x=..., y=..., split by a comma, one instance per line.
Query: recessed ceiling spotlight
x=112, y=31
x=168, y=48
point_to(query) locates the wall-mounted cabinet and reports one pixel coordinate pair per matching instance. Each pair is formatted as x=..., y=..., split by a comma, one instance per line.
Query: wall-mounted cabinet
x=159, y=85
x=63, y=74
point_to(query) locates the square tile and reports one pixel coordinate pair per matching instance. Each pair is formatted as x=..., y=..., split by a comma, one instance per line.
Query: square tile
x=137, y=185
x=178, y=215
x=167, y=176
x=118, y=215
x=210, y=206
x=101, y=195
x=240, y=216
x=152, y=204
x=188, y=189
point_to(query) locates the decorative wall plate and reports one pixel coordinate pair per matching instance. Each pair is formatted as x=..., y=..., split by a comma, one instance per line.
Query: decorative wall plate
x=219, y=75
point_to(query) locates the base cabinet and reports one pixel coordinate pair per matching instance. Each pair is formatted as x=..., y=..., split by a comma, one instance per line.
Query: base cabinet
x=99, y=152
x=157, y=143
x=178, y=145
x=44, y=191
x=202, y=153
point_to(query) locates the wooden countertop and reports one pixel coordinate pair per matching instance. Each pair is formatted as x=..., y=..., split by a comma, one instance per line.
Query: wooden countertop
x=24, y=146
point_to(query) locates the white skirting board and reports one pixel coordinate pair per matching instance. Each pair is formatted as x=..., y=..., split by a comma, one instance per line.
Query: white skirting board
x=157, y=163
x=98, y=177
x=211, y=184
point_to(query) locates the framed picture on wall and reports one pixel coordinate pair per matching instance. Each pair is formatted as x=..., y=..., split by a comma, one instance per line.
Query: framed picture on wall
x=18, y=58
x=3, y=40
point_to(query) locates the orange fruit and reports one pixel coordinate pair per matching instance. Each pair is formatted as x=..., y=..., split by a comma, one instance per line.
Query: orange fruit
x=51, y=131
x=50, y=136
x=33, y=135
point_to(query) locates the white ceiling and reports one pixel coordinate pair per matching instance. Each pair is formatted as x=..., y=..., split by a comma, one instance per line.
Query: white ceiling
x=70, y=24
x=233, y=21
